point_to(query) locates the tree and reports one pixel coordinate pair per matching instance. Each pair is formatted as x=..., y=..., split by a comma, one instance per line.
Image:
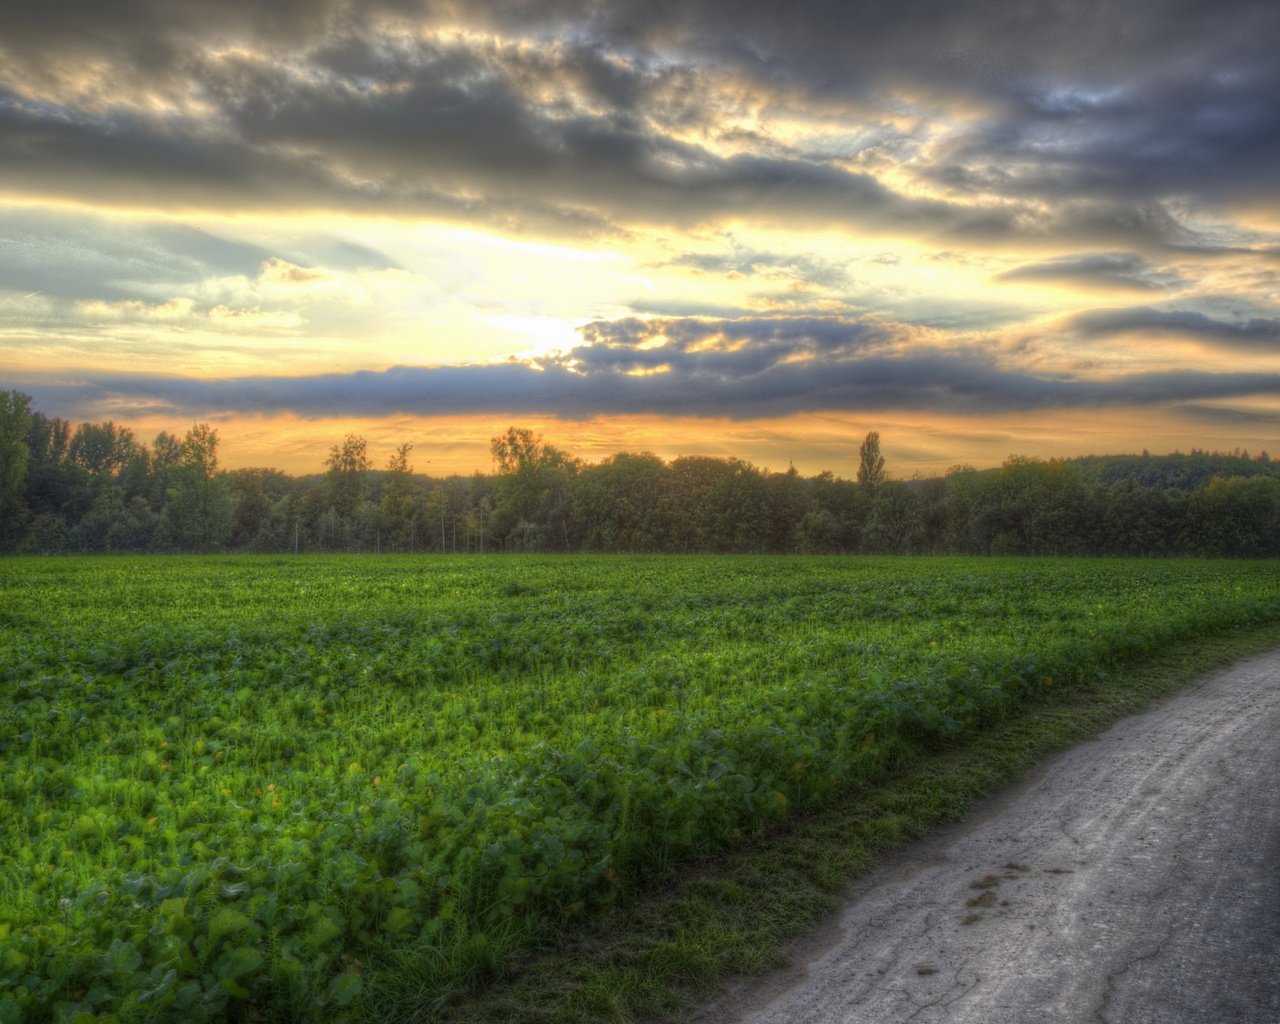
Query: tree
x=199, y=450
x=251, y=517
x=932, y=493
x=198, y=512
x=965, y=494
x=840, y=498
x=532, y=490
x=617, y=504
x=688, y=502
x=166, y=450
x=870, y=463
x=1234, y=517
x=818, y=532
x=101, y=449
x=1133, y=520
x=15, y=421
x=345, y=486
x=896, y=523
x=786, y=503
x=519, y=448
x=397, y=498
x=347, y=464
x=56, y=491
x=438, y=512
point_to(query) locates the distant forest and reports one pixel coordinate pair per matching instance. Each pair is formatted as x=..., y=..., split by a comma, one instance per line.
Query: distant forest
x=94, y=487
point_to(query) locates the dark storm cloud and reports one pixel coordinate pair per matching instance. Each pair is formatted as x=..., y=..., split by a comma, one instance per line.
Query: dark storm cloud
x=1093, y=270
x=141, y=163
x=740, y=369
x=461, y=123
x=471, y=151
x=1257, y=333
x=1012, y=35
x=1207, y=129
x=1121, y=108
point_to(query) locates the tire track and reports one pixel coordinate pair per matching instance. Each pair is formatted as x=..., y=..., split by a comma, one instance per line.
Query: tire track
x=1135, y=879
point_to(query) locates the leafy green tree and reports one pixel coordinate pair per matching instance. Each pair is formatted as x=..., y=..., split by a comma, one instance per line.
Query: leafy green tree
x=786, y=501
x=48, y=440
x=818, y=532
x=15, y=422
x=14, y=455
x=1030, y=507
x=198, y=511
x=933, y=513
x=57, y=491
x=738, y=514
x=533, y=492
x=251, y=516
x=166, y=450
x=46, y=535
x=965, y=489
x=841, y=498
x=689, y=506
x=870, y=462
x=437, y=513
x=348, y=516
x=1134, y=520
x=135, y=476
x=133, y=531
x=1234, y=517
x=347, y=464
x=102, y=449
x=91, y=532
x=895, y=524
x=105, y=468
x=397, y=505
x=617, y=504
x=517, y=449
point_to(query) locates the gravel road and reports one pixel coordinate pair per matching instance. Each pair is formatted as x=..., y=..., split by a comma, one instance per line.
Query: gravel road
x=1134, y=879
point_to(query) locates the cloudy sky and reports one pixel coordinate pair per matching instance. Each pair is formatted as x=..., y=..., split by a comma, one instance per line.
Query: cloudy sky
x=708, y=226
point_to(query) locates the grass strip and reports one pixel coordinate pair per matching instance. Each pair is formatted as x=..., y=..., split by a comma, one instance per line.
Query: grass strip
x=653, y=959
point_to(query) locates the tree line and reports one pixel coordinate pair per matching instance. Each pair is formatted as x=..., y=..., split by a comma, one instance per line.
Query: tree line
x=95, y=487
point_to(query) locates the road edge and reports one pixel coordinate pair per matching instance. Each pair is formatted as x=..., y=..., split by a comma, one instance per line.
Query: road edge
x=717, y=924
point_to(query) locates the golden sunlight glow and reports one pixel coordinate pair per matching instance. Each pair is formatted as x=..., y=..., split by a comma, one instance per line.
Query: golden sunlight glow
x=914, y=445
x=464, y=187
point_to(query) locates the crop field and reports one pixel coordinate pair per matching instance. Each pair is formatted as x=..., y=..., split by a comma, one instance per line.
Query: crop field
x=313, y=789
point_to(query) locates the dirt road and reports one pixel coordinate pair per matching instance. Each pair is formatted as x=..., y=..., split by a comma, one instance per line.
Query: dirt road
x=1132, y=880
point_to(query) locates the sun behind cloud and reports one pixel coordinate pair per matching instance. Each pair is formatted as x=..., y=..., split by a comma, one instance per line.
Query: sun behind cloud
x=981, y=226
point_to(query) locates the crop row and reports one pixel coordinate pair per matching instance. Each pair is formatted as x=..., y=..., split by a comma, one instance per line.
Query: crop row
x=260, y=789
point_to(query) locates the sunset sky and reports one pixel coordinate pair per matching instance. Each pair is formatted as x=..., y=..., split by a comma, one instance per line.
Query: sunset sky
x=695, y=227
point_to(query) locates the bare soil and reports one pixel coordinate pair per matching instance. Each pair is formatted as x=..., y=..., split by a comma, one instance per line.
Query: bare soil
x=1134, y=879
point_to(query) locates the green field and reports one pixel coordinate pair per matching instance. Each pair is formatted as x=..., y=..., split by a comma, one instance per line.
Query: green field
x=280, y=789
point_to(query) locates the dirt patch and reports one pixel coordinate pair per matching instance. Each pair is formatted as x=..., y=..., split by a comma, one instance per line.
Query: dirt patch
x=1131, y=879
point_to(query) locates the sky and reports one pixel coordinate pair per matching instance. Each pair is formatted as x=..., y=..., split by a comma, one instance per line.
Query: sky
x=722, y=227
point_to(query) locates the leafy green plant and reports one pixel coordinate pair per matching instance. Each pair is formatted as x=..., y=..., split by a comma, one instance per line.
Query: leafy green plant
x=248, y=789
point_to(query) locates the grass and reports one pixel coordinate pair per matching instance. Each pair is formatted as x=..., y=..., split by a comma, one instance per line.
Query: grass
x=652, y=960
